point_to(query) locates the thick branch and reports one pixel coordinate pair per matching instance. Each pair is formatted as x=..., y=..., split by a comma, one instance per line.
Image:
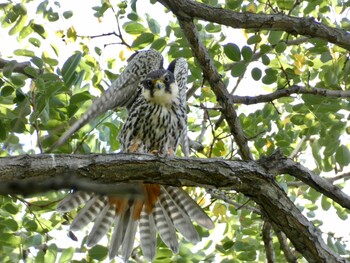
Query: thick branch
x=214, y=78
x=295, y=89
x=247, y=177
x=276, y=22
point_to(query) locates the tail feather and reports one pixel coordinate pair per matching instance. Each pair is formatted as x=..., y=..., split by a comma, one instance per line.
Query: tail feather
x=179, y=217
x=73, y=201
x=129, y=235
x=89, y=212
x=147, y=235
x=117, y=236
x=169, y=209
x=186, y=203
x=101, y=225
x=114, y=242
x=165, y=226
x=124, y=233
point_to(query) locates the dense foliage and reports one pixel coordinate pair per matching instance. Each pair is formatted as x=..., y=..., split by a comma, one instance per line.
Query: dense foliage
x=51, y=71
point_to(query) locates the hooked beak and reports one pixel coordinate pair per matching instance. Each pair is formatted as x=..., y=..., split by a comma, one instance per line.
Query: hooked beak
x=159, y=84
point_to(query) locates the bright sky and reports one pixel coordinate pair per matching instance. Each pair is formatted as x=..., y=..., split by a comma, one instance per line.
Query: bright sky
x=86, y=24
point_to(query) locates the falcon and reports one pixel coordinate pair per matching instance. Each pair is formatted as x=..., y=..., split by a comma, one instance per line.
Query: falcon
x=156, y=123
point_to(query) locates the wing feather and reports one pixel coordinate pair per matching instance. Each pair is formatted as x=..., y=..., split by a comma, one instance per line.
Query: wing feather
x=121, y=93
x=179, y=67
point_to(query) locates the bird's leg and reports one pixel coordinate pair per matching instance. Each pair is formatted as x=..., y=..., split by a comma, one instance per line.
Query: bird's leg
x=171, y=152
x=135, y=144
x=155, y=152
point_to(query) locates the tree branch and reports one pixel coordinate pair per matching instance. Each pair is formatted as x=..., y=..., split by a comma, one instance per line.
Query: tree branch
x=285, y=247
x=17, y=67
x=268, y=242
x=278, y=164
x=295, y=89
x=275, y=22
x=248, y=177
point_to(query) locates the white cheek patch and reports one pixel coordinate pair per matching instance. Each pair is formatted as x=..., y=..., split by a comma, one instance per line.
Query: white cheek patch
x=147, y=94
x=161, y=96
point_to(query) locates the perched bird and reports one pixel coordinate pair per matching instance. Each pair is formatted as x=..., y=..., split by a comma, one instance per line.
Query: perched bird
x=156, y=123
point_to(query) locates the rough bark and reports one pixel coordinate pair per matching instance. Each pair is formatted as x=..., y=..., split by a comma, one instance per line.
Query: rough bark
x=248, y=177
x=275, y=22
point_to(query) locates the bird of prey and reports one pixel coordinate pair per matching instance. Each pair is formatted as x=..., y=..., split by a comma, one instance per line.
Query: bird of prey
x=156, y=123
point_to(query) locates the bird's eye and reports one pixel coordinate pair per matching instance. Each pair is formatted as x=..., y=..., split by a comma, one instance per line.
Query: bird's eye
x=148, y=83
x=166, y=78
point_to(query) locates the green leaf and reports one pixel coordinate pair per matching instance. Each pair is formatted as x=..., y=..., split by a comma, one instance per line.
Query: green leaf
x=52, y=16
x=80, y=97
x=67, y=14
x=238, y=69
x=10, y=240
x=233, y=4
x=281, y=47
x=274, y=37
x=232, y=52
x=30, y=224
x=247, y=53
x=31, y=71
x=69, y=68
x=35, y=42
x=270, y=77
x=7, y=91
x=72, y=34
x=247, y=256
x=285, y=4
x=133, y=17
x=51, y=253
x=159, y=44
x=8, y=68
x=297, y=119
x=326, y=203
x=153, y=25
x=254, y=39
x=67, y=255
x=265, y=59
x=26, y=31
x=20, y=9
x=98, y=252
x=341, y=248
x=326, y=56
x=143, y=40
x=40, y=30
x=11, y=208
x=48, y=60
x=134, y=28
x=37, y=62
x=19, y=25
x=18, y=81
x=342, y=155
x=17, y=125
x=213, y=28
x=33, y=241
x=10, y=224
x=24, y=53
x=256, y=73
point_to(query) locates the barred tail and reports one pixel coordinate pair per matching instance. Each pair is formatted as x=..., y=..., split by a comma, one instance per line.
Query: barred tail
x=165, y=209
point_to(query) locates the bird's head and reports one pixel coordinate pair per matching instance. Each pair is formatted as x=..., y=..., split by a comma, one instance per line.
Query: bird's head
x=160, y=87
